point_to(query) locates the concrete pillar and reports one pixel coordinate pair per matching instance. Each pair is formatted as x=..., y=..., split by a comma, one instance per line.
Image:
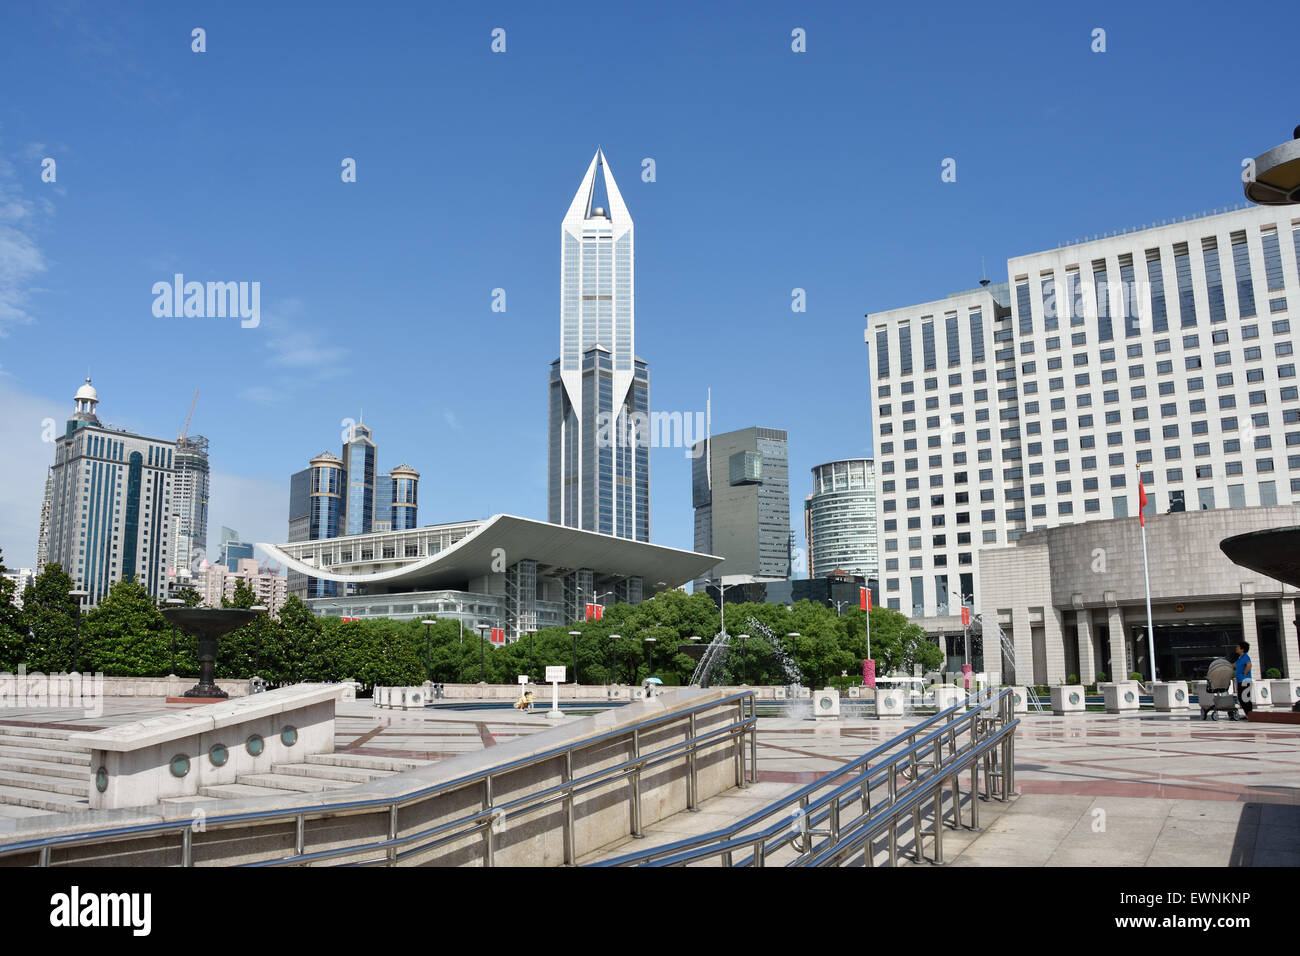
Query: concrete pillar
x=1087, y=653
x=1054, y=644
x=1288, y=638
x=1119, y=662
x=1249, y=632
x=1022, y=636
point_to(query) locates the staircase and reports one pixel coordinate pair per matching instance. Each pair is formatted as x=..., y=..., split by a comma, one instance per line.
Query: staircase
x=318, y=772
x=41, y=773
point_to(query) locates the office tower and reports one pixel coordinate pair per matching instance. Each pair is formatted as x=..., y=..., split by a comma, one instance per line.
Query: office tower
x=1167, y=351
x=599, y=465
x=840, y=518
x=189, y=507
x=740, y=489
x=110, y=503
x=403, y=498
x=233, y=550
x=383, y=520
x=43, y=534
x=358, y=457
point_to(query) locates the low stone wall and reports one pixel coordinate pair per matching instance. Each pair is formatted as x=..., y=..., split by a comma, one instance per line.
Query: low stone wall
x=542, y=691
x=179, y=753
x=165, y=686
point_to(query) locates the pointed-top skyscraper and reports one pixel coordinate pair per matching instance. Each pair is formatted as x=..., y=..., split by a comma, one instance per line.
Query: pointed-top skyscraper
x=599, y=464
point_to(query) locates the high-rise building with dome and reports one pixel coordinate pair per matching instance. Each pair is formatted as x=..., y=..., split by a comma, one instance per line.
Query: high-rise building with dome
x=109, y=500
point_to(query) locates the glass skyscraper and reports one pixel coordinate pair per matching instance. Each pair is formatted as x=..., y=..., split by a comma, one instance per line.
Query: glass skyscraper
x=599, y=464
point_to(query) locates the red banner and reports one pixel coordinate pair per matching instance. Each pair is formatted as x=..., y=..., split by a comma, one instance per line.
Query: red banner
x=498, y=635
x=965, y=616
x=868, y=673
x=1142, y=501
x=864, y=598
x=966, y=676
x=595, y=612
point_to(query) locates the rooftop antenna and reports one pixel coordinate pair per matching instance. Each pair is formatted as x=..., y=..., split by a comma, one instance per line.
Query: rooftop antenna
x=984, y=273
x=708, y=431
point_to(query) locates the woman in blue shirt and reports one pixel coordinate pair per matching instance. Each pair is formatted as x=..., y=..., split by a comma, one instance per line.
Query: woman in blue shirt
x=1243, y=669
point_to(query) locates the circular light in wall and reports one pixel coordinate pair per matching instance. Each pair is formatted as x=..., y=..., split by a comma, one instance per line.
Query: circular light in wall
x=101, y=779
x=1128, y=697
x=180, y=765
x=1179, y=695
x=255, y=745
x=889, y=702
x=1074, y=698
x=218, y=755
x=289, y=736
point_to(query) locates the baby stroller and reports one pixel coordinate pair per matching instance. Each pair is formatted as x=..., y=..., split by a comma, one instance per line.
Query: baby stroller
x=1218, y=695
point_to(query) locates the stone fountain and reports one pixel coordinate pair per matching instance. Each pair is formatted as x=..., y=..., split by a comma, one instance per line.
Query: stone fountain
x=208, y=625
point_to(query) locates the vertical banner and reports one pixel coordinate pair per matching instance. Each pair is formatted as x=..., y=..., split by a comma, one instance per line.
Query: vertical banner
x=868, y=673
x=966, y=676
x=864, y=598
x=965, y=616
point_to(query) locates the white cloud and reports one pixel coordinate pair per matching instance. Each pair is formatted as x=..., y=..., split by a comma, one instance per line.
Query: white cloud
x=451, y=420
x=21, y=260
x=22, y=475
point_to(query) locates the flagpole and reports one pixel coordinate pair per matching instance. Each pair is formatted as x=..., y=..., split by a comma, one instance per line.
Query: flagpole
x=1146, y=575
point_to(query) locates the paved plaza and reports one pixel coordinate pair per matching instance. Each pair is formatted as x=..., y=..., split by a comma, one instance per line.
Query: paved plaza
x=1140, y=789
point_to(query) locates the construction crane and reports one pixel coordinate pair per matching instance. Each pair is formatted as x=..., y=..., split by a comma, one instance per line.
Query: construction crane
x=180, y=435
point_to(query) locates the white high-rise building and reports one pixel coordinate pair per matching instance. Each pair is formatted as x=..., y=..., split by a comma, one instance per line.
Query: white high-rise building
x=599, y=464
x=1167, y=351
x=190, y=509
x=110, y=503
x=840, y=518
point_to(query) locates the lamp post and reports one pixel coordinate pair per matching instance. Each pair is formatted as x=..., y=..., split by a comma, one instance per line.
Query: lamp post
x=76, y=640
x=257, y=662
x=482, y=652
x=722, y=603
x=174, y=602
x=744, y=671
x=650, y=641
x=428, y=647
x=575, y=635
x=531, y=667
x=613, y=646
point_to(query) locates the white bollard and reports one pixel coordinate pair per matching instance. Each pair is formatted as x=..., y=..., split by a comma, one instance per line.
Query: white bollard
x=1171, y=696
x=1068, y=699
x=1121, y=696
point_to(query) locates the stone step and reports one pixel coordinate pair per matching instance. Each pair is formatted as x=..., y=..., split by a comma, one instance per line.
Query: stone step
x=72, y=771
x=32, y=742
x=22, y=813
x=366, y=761
x=328, y=772
x=235, y=791
x=189, y=798
x=72, y=758
x=41, y=799
x=283, y=782
x=44, y=732
x=36, y=781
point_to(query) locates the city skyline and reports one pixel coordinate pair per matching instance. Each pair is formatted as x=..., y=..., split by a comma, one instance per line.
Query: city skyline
x=364, y=285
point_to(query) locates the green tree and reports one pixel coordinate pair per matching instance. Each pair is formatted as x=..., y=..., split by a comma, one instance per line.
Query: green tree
x=126, y=635
x=13, y=624
x=190, y=597
x=244, y=596
x=51, y=616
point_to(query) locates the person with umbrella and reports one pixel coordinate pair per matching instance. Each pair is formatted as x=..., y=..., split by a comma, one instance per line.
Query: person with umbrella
x=649, y=685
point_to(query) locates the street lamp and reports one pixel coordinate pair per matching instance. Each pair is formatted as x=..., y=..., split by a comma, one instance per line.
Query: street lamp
x=428, y=646
x=257, y=663
x=531, y=667
x=76, y=641
x=839, y=607
x=651, y=642
x=613, y=645
x=575, y=635
x=744, y=671
x=482, y=652
x=173, y=602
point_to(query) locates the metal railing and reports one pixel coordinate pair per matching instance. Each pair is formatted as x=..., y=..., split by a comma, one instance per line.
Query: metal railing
x=837, y=819
x=738, y=733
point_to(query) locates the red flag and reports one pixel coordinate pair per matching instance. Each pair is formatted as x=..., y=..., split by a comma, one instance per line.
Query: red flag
x=591, y=611
x=498, y=635
x=1142, y=501
x=600, y=610
x=864, y=598
x=965, y=616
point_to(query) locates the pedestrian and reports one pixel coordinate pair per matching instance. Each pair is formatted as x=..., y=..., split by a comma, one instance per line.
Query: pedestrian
x=1244, y=667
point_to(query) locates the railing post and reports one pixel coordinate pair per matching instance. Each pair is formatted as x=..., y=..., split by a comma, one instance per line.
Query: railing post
x=893, y=818
x=488, y=847
x=692, y=782
x=753, y=739
x=636, y=785
x=740, y=745
x=187, y=847
x=570, y=841
x=299, y=834
x=392, y=832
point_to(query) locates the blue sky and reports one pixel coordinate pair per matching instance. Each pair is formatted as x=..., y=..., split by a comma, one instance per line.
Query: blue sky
x=775, y=170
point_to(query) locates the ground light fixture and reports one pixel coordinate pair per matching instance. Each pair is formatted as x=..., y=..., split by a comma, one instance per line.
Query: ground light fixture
x=482, y=651
x=575, y=635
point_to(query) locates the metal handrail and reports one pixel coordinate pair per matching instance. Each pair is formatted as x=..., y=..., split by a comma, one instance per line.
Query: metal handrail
x=842, y=838
x=744, y=724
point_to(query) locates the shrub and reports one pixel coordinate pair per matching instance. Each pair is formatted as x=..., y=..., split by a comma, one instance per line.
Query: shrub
x=1135, y=676
x=1101, y=677
x=1273, y=673
x=1072, y=679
